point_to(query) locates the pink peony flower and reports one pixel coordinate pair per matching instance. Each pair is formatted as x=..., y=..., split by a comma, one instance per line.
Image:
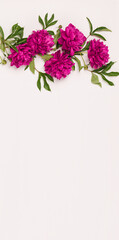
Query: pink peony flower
x=71, y=39
x=22, y=57
x=40, y=42
x=98, y=54
x=60, y=65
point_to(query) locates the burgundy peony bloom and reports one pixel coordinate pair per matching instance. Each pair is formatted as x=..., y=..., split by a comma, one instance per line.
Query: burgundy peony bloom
x=60, y=65
x=98, y=54
x=22, y=57
x=40, y=42
x=71, y=39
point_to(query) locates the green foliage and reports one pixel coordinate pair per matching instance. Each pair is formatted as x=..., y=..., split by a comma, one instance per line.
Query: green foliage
x=16, y=37
x=51, y=32
x=17, y=32
x=26, y=68
x=99, y=36
x=46, y=85
x=90, y=25
x=32, y=66
x=46, y=56
x=2, y=44
x=44, y=77
x=103, y=71
x=78, y=62
x=1, y=33
x=99, y=29
x=106, y=80
x=95, y=80
x=47, y=23
x=39, y=82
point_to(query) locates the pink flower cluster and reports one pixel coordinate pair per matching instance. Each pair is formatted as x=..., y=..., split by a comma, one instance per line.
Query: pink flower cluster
x=98, y=54
x=59, y=66
x=22, y=57
x=39, y=42
x=71, y=39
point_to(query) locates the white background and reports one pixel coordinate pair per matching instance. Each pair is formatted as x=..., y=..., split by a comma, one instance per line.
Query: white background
x=59, y=151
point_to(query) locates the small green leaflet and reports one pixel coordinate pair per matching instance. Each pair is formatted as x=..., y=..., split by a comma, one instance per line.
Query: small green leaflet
x=47, y=56
x=111, y=74
x=100, y=29
x=46, y=19
x=73, y=67
x=52, y=23
x=90, y=25
x=95, y=80
x=16, y=31
x=39, y=82
x=21, y=41
x=79, y=63
x=49, y=77
x=2, y=46
x=11, y=46
x=99, y=36
x=51, y=19
x=106, y=80
x=51, y=32
x=26, y=68
x=1, y=33
x=32, y=66
x=57, y=36
x=108, y=66
x=105, y=67
x=86, y=47
x=47, y=23
x=46, y=85
x=41, y=21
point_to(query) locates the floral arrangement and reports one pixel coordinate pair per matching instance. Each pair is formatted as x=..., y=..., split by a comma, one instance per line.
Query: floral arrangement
x=60, y=51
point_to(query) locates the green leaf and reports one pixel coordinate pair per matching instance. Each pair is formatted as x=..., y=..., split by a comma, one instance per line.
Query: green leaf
x=49, y=77
x=73, y=67
x=2, y=46
x=108, y=66
x=104, y=67
x=15, y=27
x=21, y=41
x=39, y=82
x=32, y=66
x=52, y=23
x=1, y=33
x=106, y=80
x=46, y=20
x=78, y=62
x=51, y=19
x=46, y=85
x=111, y=74
x=26, y=68
x=51, y=32
x=99, y=36
x=95, y=80
x=100, y=29
x=46, y=56
x=11, y=46
x=90, y=25
x=41, y=21
x=86, y=47
x=57, y=36
x=16, y=31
